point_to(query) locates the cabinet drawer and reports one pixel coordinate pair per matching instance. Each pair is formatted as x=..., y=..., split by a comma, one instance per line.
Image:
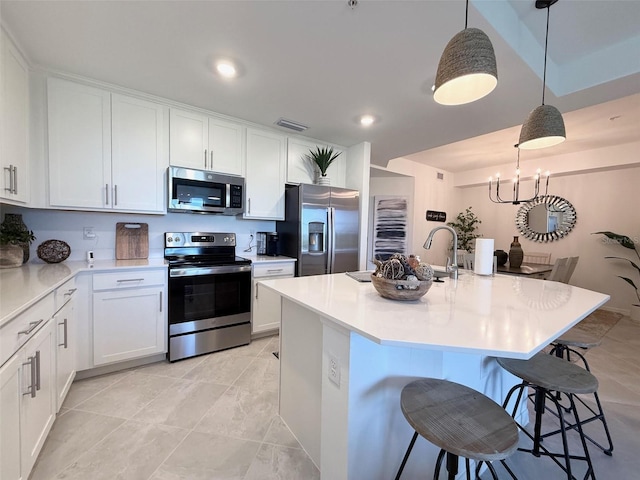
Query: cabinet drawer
x=280, y=269
x=31, y=320
x=64, y=293
x=128, y=279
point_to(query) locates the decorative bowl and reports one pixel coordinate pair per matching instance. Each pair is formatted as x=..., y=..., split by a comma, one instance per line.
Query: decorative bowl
x=54, y=251
x=401, y=289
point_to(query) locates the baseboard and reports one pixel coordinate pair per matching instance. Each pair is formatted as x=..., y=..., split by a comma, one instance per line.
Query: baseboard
x=116, y=367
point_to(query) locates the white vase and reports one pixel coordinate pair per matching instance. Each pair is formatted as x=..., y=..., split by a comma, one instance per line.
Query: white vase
x=324, y=180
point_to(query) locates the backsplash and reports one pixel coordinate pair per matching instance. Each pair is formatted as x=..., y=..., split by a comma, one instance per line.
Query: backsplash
x=68, y=226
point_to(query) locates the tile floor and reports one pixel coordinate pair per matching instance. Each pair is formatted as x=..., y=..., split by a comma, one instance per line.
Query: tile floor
x=215, y=417
x=206, y=418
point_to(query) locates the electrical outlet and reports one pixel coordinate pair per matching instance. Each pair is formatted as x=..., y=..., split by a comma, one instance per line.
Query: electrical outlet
x=334, y=370
x=88, y=233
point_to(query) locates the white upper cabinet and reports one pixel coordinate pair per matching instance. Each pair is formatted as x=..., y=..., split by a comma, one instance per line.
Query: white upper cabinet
x=79, y=145
x=205, y=143
x=102, y=156
x=138, y=162
x=14, y=123
x=265, y=175
x=301, y=170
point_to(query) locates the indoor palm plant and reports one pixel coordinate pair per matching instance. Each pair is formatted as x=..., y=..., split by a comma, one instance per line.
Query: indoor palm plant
x=322, y=158
x=466, y=226
x=626, y=242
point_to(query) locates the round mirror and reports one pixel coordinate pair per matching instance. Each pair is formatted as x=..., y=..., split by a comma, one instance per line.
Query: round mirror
x=545, y=219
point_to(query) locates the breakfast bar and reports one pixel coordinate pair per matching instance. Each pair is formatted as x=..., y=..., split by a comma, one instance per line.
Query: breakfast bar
x=346, y=353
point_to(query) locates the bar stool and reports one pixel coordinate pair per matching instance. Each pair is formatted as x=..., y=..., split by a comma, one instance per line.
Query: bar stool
x=548, y=375
x=564, y=347
x=459, y=420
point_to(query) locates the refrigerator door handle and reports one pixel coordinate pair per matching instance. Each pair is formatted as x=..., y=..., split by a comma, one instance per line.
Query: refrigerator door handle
x=331, y=258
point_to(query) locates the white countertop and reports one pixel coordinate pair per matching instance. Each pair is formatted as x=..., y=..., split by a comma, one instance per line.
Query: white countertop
x=265, y=258
x=494, y=315
x=23, y=286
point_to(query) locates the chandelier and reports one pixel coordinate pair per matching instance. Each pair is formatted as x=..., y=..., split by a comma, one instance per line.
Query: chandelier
x=516, y=200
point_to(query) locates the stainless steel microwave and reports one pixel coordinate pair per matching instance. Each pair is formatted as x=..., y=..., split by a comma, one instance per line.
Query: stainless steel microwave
x=202, y=191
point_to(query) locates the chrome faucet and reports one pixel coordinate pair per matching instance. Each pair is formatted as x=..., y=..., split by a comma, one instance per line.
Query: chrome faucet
x=452, y=263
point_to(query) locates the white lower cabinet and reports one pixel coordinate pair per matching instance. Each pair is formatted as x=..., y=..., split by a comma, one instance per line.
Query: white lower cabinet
x=129, y=315
x=66, y=341
x=27, y=388
x=38, y=390
x=265, y=308
x=10, y=399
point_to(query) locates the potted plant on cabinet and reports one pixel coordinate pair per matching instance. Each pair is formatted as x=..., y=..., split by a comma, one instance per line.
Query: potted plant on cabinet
x=322, y=158
x=466, y=226
x=15, y=239
x=626, y=242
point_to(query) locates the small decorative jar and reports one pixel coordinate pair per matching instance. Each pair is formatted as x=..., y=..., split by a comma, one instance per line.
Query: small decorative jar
x=501, y=257
x=515, y=253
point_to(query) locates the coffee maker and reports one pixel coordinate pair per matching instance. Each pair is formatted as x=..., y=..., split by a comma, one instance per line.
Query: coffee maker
x=267, y=243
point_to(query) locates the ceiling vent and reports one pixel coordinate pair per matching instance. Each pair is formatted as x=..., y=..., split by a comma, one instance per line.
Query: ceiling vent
x=291, y=125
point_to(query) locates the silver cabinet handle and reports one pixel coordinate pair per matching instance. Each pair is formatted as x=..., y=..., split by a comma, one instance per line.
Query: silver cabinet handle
x=15, y=180
x=31, y=389
x=257, y=291
x=64, y=336
x=32, y=326
x=211, y=155
x=249, y=205
x=275, y=270
x=70, y=292
x=205, y=158
x=106, y=194
x=115, y=194
x=37, y=369
x=130, y=280
x=10, y=189
x=161, y=301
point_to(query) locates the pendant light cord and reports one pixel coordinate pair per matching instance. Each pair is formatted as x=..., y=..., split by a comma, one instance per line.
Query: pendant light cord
x=546, y=42
x=466, y=15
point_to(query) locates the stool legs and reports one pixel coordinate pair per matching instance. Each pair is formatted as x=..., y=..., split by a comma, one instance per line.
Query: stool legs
x=452, y=464
x=540, y=397
x=598, y=414
x=406, y=455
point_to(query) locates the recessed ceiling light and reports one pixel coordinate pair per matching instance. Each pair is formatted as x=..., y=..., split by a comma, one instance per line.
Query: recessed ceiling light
x=226, y=69
x=367, y=120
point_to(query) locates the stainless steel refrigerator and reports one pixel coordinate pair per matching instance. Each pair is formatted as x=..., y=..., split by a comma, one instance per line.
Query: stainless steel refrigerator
x=320, y=229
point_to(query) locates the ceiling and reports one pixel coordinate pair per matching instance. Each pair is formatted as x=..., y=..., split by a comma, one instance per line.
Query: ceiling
x=323, y=63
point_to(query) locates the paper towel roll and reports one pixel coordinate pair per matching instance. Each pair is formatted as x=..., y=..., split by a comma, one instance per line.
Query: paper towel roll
x=483, y=263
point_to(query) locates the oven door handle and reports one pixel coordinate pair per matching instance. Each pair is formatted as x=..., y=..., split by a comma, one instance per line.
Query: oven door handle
x=197, y=271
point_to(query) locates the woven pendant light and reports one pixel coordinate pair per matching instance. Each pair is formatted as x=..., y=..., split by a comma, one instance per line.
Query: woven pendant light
x=467, y=69
x=544, y=126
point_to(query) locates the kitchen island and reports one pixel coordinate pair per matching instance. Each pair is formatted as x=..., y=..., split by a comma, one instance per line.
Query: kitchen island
x=346, y=353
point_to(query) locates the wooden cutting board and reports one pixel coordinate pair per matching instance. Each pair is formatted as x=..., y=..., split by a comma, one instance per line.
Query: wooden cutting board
x=132, y=241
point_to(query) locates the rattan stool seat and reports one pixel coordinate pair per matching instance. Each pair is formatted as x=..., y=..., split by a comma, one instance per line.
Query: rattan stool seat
x=578, y=339
x=459, y=419
x=552, y=373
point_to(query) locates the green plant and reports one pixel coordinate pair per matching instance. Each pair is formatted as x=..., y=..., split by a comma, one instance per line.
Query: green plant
x=466, y=225
x=625, y=242
x=322, y=158
x=12, y=234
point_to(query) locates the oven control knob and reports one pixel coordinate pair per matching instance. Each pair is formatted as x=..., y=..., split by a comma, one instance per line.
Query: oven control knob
x=169, y=239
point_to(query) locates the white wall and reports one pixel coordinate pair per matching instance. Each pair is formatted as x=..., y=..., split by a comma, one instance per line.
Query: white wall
x=604, y=200
x=67, y=226
x=390, y=186
x=430, y=193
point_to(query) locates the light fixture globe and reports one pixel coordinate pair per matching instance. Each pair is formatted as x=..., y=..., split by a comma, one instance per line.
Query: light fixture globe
x=544, y=127
x=467, y=70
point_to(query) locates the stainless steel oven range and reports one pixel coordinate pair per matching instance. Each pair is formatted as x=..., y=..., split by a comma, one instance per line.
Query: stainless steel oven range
x=209, y=293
